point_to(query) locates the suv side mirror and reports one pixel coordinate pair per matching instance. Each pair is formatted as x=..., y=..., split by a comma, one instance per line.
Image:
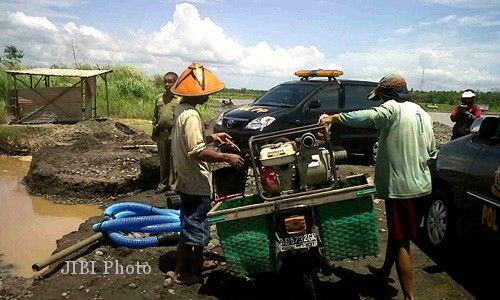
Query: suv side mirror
x=488, y=128
x=474, y=128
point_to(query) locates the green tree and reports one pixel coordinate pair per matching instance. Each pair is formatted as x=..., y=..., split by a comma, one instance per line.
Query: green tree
x=12, y=57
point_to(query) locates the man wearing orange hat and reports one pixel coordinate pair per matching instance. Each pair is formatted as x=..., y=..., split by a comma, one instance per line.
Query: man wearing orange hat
x=192, y=173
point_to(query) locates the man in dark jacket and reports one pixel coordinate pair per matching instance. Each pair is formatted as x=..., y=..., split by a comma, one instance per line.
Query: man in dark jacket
x=464, y=114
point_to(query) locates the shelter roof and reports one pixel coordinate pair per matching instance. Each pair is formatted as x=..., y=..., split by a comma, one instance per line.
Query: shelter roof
x=60, y=72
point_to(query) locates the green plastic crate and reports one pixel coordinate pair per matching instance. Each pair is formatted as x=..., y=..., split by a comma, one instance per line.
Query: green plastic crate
x=248, y=244
x=348, y=228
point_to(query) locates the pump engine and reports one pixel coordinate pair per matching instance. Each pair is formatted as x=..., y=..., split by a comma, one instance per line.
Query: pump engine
x=294, y=165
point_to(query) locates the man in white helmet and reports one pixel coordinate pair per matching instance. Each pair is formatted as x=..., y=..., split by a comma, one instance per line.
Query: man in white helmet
x=464, y=114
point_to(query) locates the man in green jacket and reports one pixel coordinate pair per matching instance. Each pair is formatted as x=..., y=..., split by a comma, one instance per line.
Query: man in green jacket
x=163, y=119
x=402, y=176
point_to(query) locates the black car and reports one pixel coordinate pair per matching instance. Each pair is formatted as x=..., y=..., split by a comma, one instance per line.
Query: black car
x=466, y=188
x=301, y=102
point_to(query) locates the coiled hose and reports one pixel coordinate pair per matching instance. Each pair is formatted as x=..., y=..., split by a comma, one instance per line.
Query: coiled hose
x=137, y=217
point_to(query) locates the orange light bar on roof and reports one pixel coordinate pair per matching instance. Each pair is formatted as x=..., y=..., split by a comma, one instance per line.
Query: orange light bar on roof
x=319, y=73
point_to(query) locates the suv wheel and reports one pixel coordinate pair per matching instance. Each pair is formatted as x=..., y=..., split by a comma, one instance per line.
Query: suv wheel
x=439, y=221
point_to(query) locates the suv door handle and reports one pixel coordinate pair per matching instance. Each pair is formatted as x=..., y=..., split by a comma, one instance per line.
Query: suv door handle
x=299, y=122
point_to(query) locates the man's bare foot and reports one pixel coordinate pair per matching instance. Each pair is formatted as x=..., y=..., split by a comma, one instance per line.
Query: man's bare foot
x=210, y=264
x=185, y=279
x=380, y=274
x=207, y=265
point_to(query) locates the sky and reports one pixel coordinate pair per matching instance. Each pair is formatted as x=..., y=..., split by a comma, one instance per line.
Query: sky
x=434, y=44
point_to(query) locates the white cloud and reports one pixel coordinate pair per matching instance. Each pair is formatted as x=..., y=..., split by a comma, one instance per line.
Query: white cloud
x=194, y=1
x=192, y=37
x=186, y=37
x=450, y=60
x=47, y=3
x=484, y=21
x=478, y=20
x=449, y=65
x=86, y=31
x=279, y=62
x=466, y=3
x=47, y=8
x=404, y=30
x=36, y=23
x=443, y=20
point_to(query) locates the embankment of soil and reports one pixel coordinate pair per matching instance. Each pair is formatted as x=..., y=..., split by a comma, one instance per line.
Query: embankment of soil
x=93, y=162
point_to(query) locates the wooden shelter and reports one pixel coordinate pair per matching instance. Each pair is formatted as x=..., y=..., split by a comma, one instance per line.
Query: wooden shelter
x=37, y=101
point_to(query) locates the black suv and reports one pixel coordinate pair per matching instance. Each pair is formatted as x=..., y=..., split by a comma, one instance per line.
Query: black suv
x=466, y=188
x=301, y=102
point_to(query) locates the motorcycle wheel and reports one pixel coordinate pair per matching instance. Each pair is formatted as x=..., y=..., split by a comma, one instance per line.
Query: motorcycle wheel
x=309, y=283
x=300, y=284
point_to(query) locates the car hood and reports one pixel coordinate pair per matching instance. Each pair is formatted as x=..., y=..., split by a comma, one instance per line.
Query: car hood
x=251, y=112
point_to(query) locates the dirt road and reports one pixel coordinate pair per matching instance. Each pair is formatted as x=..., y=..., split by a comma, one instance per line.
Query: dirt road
x=460, y=276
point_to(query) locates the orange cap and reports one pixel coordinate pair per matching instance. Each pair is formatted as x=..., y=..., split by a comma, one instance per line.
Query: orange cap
x=196, y=80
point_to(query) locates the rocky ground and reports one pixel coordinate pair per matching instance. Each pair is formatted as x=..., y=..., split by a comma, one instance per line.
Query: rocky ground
x=88, y=163
x=442, y=133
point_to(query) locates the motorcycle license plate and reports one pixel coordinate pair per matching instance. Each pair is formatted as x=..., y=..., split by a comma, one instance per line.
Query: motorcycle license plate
x=298, y=242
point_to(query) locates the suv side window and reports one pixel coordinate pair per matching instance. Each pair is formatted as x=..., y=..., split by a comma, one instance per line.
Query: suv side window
x=355, y=97
x=328, y=97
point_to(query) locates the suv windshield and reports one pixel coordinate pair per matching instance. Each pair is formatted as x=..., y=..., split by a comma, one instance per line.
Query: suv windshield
x=286, y=95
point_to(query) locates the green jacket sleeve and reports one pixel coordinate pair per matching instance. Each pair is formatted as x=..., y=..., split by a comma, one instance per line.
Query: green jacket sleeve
x=376, y=117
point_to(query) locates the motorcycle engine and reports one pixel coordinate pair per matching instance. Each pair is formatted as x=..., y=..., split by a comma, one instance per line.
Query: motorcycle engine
x=278, y=171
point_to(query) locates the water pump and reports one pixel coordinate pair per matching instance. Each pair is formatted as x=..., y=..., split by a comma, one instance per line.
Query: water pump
x=300, y=161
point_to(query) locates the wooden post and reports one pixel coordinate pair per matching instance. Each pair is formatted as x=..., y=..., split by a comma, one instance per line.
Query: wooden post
x=38, y=81
x=106, y=86
x=87, y=111
x=82, y=93
x=95, y=97
x=16, y=108
x=90, y=88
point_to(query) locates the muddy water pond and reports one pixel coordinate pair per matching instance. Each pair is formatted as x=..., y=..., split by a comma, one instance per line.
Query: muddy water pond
x=30, y=226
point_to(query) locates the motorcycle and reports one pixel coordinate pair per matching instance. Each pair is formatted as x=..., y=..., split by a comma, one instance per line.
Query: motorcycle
x=227, y=103
x=293, y=163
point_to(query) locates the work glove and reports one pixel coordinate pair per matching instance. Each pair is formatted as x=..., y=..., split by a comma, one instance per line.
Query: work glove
x=469, y=115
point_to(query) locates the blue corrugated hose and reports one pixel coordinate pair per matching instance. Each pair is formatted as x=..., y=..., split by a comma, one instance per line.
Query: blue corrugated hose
x=137, y=217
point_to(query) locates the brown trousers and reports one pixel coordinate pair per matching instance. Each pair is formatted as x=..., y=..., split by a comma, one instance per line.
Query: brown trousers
x=165, y=154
